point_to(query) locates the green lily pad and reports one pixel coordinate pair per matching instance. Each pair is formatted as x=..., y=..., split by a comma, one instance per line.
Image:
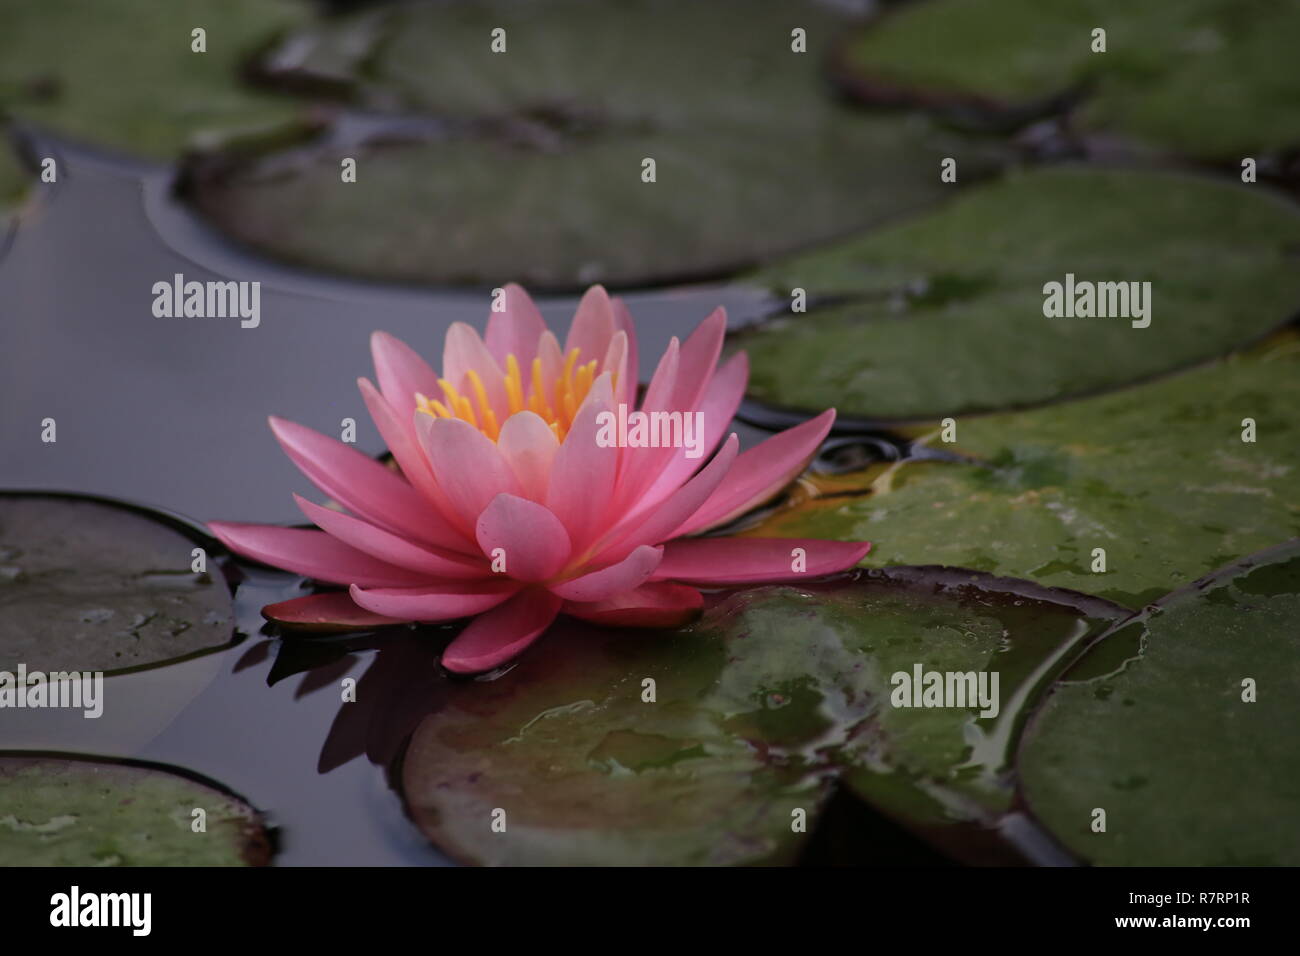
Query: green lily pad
x=529, y=163
x=759, y=707
x=69, y=811
x=90, y=586
x=1209, y=78
x=945, y=312
x=14, y=180
x=124, y=75
x=1156, y=475
x=1225, y=792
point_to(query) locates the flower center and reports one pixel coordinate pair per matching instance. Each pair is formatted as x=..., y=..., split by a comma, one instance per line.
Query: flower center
x=555, y=401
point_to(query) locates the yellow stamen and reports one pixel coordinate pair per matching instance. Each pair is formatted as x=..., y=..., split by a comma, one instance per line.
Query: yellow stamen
x=514, y=384
x=484, y=407
x=557, y=409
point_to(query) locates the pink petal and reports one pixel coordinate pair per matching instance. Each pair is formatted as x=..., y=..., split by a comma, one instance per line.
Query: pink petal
x=495, y=637
x=357, y=482
x=724, y=561
x=653, y=604
x=401, y=373
x=466, y=464
x=593, y=326
x=631, y=572
x=657, y=524
x=761, y=472
x=465, y=351
x=390, y=548
x=437, y=523
x=516, y=330
x=528, y=445
x=696, y=363
x=717, y=409
x=582, y=476
x=335, y=611
x=313, y=554
x=552, y=361
x=623, y=323
x=699, y=359
x=616, y=364
x=536, y=545
x=638, y=466
x=445, y=603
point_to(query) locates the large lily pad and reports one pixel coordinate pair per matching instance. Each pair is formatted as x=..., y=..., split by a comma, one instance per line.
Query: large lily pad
x=123, y=74
x=945, y=312
x=1108, y=737
x=1158, y=476
x=758, y=708
x=61, y=811
x=529, y=163
x=13, y=183
x=1210, y=78
x=90, y=586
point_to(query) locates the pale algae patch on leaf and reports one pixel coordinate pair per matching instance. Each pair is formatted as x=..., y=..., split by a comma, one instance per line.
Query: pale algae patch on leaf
x=79, y=812
x=532, y=162
x=1158, y=476
x=945, y=312
x=1213, y=79
x=1186, y=738
x=718, y=743
x=124, y=74
x=90, y=586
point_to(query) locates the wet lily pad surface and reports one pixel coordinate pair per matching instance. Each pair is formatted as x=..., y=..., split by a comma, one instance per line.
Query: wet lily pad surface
x=1209, y=78
x=1158, y=476
x=473, y=165
x=55, y=57
x=63, y=811
x=944, y=314
x=1179, y=725
x=757, y=709
x=91, y=586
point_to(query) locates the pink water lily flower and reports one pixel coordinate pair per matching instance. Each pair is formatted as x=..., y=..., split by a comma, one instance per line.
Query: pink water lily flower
x=513, y=505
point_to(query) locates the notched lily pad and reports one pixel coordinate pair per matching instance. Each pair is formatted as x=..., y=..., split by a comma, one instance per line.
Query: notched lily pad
x=472, y=165
x=1207, y=78
x=73, y=811
x=944, y=313
x=1157, y=476
x=86, y=585
x=55, y=57
x=757, y=709
x=1180, y=726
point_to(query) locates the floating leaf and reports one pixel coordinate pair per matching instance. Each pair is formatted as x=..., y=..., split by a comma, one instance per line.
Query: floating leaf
x=1209, y=78
x=14, y=180
x=124, y=74
x=946, y=314
x=757, y=709
x=71, y=811
x=1158, y=476
x=529, y=164
x=86, y=585
x=1157, y=727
